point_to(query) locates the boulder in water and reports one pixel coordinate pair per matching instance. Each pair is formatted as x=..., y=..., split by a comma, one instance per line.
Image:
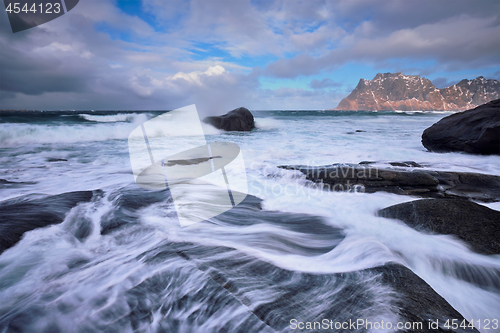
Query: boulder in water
x=240, y=119
x=475, y=131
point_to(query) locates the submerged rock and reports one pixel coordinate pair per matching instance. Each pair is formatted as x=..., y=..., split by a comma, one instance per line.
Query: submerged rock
x=475, y=131
x=405, y=178
x=476, y=225
x=184, y=286
x=4, y=183
x=240, y=119
x=20, y=215
x=281, y=298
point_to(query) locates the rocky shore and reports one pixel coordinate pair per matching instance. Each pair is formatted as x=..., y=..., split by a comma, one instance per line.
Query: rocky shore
x=405, y=178
x=476, y=225
x=475, y=131
x=273, y=297
x=193, y=281
x=20, y=215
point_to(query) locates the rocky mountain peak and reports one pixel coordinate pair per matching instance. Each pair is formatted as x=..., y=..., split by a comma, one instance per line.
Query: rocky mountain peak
x=397, y=91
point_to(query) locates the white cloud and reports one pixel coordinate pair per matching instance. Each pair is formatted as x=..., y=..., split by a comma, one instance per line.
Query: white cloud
x=72, y=63
x=195, y=77
x=460, y=41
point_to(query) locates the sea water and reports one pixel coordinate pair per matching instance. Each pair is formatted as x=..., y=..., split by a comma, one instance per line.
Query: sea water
x=58, y=152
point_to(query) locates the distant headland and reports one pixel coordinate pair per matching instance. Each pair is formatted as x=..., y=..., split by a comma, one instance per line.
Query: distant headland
x=396, y=91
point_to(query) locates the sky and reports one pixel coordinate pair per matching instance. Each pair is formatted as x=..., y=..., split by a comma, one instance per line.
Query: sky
x=219, y=55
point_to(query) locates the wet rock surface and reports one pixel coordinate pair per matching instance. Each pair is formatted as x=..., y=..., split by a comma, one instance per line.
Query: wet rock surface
x=476, y=225
x=20, y=215
x=240, y=119
x=193, y=283
x=406, y=178
x=475, y=131
x=276, y=296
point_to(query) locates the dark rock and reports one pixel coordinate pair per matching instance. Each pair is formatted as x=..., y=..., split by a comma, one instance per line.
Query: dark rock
x=240, y=119
x=187, y=285
x=417, y=302
x=20, y=215
x=318, y=236
x=407, y=164
x=475, y=131
x=4, y=183
x=482, y=276
x=477, y=225
x=370, y=178
x=275, y=296
x=125, y=205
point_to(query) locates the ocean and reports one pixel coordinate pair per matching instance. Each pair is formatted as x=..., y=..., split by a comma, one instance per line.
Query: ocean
x=85, y=275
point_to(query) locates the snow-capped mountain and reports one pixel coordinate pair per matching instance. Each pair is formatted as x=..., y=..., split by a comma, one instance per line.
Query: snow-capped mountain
x=396, y=91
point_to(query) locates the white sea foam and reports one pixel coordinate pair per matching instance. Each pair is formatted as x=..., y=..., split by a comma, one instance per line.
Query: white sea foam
x=17, y=134
x=121, y=117
x=96, y=162
x=267, y=123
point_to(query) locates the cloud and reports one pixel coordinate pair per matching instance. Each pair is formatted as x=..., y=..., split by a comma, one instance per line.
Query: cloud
x=237, y=27
x=325, y=83
x=452, y=42
x=215, y=90
x=298, y=99
x=31, y=71
x=69, y=64
x=442, y=82
x=496, y=75
x=196, y=77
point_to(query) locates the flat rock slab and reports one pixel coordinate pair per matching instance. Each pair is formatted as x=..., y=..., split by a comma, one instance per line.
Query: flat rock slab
x=476, y=225
x=406, y=178
x=475, y=131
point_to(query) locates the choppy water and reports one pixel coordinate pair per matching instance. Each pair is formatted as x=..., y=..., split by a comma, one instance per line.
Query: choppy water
x=82, y=275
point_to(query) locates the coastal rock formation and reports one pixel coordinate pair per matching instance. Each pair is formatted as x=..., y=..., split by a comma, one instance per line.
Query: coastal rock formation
x=20, y=215
x=405, y=178
x=204, y=280
x=396, y=91
x=240, y=119
x=475, y=131
x=23, y=214
x=344, y=295
x=477, y=225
